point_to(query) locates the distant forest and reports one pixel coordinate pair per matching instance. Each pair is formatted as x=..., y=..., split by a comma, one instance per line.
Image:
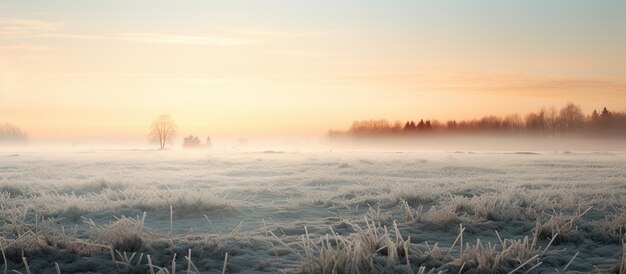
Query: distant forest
x=547, y=121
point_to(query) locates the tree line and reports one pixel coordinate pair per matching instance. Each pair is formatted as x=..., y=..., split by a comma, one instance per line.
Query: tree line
x=548, y=121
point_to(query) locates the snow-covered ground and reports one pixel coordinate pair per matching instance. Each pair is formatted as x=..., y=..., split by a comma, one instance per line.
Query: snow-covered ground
x=89, y=211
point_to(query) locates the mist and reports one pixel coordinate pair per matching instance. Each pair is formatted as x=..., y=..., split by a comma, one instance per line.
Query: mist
x=273, y=211
x=313, y=137
x=479, y=142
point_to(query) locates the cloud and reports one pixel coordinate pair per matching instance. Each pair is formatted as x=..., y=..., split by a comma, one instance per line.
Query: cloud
x=564, y=86
x=162, y=38
x=14, y=30
x=260, y=32
x=495, y=83
x=71, y=36
x=21, y=27
x=155, y=38
x=11, y=28
x=299, y=53
x=23, y=47
x=529, y=84
x=251, y=31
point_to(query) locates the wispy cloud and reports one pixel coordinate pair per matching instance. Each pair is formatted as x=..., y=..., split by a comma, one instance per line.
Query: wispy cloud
x=564, y=87
x=70, y=36
x=10, y=27
x=496, y=83
x=275, y=33
x=155, y=38
x=162, y=38
x=12, y=31
x=24, y=47
x=299, y=53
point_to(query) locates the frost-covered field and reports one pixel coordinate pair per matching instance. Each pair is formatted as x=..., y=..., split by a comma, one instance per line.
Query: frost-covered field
x=312, y=212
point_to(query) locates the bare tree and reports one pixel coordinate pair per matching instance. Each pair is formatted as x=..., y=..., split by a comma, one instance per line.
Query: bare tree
x=536, y=121
x=551, y=120
x=512, y=122
x=571, y=117
x=162, y=131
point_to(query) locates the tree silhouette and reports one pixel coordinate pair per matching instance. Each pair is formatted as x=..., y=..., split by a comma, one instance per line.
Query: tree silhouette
x=595, y=115
x=571, y=117
x=191, y=141
x=11, y=133
x=421, y=124
x=568, y=119
x=451, y=124
x=208, y=142
x=162, y=131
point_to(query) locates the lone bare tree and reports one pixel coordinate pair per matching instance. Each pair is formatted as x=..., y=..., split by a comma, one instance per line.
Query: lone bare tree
x=162, y=131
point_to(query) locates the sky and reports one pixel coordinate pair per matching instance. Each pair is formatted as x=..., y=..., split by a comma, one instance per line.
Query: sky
x=79, y=70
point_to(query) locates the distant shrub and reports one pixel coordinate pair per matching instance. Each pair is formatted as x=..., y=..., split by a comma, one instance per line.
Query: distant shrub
x=191, y=142
x=128, y=242
x=11, y=133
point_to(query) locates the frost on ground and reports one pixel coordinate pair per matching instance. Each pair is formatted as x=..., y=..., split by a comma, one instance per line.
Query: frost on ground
x=322, y=212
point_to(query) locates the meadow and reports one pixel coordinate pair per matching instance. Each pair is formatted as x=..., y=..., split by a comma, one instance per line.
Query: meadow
x=135, y=211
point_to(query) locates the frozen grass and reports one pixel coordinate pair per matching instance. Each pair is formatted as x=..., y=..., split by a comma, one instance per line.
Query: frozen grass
x=621, y=263
x=166, y=212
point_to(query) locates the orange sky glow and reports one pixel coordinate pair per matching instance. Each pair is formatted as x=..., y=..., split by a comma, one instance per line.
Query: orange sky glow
x=75, y=70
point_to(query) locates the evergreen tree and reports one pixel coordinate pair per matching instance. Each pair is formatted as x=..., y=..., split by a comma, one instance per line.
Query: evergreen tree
x=421, y=124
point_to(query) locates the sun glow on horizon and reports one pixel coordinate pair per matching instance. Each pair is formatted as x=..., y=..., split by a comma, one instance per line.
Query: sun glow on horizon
x=74, y=70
